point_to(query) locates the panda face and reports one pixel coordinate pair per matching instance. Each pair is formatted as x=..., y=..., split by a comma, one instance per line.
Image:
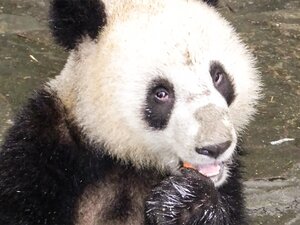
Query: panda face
x=165, y=83
x=192, y=124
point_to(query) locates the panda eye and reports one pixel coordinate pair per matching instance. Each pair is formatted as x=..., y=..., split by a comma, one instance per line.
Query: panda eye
x=218, y=78
x=161, y=95
x=160, y=99
x=222, y=81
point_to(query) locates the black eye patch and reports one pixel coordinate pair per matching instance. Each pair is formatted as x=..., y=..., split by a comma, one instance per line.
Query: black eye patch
x=159, y=103
x=222, y=81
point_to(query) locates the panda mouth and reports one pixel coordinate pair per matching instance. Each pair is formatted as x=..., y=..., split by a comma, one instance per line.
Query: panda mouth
x=212, y=170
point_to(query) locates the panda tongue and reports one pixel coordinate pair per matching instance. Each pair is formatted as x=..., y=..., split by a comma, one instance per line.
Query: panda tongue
x=209, y=170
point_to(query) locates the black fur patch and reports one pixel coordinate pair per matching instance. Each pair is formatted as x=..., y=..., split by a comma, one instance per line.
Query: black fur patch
x=43, y=167
x=121, y=207
x=212, y=2
x=156, y=113
x=71, y=20
x=226, y=87
x=232, y=191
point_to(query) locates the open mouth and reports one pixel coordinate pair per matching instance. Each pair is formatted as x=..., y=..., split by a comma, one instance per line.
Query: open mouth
x=212, y=170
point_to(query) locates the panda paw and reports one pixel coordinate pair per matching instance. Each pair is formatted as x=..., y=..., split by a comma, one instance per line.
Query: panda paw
x=189, y=198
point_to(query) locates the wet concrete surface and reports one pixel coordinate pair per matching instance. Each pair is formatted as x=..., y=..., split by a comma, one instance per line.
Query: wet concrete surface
x=271, y=28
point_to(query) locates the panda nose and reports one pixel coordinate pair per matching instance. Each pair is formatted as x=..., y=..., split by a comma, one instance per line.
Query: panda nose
x=214, y=150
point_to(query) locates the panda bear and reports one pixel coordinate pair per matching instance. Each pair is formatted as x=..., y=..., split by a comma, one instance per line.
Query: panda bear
x=142, y=124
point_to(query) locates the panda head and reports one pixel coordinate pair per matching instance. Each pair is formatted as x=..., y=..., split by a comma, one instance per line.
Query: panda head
x=157, y=82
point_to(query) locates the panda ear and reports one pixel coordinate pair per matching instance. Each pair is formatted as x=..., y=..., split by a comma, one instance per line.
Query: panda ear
x=212, y=2
x=71, y=20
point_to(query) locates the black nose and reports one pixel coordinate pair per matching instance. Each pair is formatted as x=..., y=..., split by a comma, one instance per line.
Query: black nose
x=214, y=150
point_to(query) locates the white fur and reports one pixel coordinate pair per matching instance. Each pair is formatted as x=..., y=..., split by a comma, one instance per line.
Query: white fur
x=104, y=82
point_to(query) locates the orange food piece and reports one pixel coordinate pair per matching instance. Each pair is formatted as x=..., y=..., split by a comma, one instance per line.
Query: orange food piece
x=188, y=165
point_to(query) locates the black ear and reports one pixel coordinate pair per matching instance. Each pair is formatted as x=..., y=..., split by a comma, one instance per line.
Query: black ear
x=71, y=20
x=212, y=2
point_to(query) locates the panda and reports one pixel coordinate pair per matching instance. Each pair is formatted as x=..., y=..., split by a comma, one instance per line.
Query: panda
x=142, y=124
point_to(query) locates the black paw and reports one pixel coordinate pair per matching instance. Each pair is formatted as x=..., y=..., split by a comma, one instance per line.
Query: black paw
x=189, y=198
